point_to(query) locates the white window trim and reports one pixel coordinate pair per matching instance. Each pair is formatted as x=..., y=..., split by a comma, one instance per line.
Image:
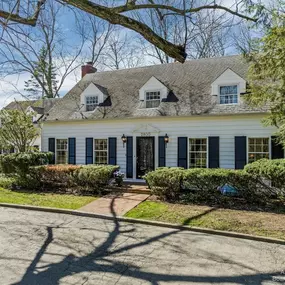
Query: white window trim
x=85, y=98
x=257, y=137
x=229, y=84
x=56, y=150
x=94, y=157
x=151, y=90
x=188, y=154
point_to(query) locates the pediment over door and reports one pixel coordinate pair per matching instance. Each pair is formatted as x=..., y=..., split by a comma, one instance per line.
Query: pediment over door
x=146, y=130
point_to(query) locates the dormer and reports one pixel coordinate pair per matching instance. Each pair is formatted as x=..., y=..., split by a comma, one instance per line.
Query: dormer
x=228, y=87
x=36, y=112
x=153, y=92
x=93, y=96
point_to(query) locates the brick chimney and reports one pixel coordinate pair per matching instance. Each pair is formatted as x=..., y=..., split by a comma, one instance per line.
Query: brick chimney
x=87, y=68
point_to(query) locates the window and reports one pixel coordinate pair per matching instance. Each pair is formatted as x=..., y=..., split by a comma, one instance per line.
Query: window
x=61, y=151
x=258, y=148
x=152, y=99
x=100, y=151
x=198, y=153
x=228, y=94
x=91, y=103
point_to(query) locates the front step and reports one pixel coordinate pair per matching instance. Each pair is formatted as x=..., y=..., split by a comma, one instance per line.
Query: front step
x=139, y=182
x=130, y=188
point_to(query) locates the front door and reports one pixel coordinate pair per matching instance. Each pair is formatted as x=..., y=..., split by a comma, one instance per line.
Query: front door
x=145, y=155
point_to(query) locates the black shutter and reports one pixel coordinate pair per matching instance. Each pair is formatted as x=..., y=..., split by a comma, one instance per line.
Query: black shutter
x=277, y=150
x=129, y=157
x=89, y=150
x=72, y=150
x=161, y=152
x=112, y=151
x=214, y=152
x=182, y=152
x=240, y=152
x=51, y=148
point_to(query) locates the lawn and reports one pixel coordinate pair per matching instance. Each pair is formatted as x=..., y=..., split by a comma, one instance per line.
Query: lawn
x=62, y=201
x=248, y=222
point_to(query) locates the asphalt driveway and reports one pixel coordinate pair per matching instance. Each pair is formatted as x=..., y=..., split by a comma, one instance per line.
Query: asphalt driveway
x=47, y=248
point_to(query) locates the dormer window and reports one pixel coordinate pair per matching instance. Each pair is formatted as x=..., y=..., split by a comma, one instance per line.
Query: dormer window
x=91, y=103
x=229, y=94
x=152, y=99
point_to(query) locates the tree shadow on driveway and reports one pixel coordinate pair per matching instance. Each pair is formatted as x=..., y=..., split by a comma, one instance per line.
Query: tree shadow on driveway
x=102, y=260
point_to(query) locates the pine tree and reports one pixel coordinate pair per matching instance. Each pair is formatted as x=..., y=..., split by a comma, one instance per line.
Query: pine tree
x=43, y=83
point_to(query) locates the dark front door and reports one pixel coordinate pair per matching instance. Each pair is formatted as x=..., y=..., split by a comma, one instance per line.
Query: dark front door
x=145, y=155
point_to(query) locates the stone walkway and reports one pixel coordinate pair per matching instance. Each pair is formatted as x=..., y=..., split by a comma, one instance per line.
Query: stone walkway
x=117, y=204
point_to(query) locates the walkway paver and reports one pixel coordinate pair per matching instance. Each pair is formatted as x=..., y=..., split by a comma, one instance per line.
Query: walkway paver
x=41, y=248
x=117, y=204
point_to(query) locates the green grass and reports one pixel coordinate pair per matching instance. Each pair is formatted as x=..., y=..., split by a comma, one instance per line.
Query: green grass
x=248, y=222
x=62, y=201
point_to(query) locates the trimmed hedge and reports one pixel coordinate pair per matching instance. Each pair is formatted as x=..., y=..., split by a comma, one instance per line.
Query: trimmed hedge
x=203, y=184
x=269, y=170
x=165, y=182
x=90, y=177
x=52, y=176
x=94, y=177
x=19, y=163
x=6, y=182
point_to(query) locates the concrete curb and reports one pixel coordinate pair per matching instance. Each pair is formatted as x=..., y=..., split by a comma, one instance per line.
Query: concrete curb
x=146, y=222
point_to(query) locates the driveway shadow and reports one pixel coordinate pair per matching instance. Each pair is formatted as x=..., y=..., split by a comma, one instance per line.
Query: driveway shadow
x=102, y=260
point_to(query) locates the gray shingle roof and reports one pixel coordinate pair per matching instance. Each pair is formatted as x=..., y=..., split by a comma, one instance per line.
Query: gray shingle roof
x=190, y=85
x=39, y=106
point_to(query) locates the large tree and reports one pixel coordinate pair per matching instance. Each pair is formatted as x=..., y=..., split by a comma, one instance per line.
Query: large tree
x=44, y=72
x=129, y=14
x=267, y=75
x=17, y=130
x=47, y=50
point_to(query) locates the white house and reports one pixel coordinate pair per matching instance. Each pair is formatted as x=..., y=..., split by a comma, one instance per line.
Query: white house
x=188, y=115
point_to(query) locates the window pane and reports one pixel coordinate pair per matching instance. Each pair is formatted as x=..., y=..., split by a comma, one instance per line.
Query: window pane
x=61, y=151
x=152, y=99
x=228, y=94
x=198, y=153
x=91, y=103
x=101, y=151
x=258, y=148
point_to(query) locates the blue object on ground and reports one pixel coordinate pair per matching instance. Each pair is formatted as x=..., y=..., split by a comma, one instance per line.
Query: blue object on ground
x=229, y=190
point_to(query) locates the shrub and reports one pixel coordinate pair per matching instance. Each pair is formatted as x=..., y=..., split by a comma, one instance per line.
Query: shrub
x=165, y=182
x=267, y=170
x=202, y=185
x=205, y=184
x=6, y=182
x=94, y=177
x=19, y=163
x=51, y=176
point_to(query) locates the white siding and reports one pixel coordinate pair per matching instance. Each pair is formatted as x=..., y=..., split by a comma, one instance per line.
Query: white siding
x=226, y=127
x=228, y=78
x=91, y=90
x=153, y=85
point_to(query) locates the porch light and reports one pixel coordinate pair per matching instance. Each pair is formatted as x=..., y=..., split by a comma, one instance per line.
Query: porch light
x=124, y=139
x=166, y=139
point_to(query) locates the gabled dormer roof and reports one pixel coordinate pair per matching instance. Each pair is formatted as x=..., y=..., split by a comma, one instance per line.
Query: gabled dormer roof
x=153, y=84
x=189, y=85
x=230, y=72
x=228, y=77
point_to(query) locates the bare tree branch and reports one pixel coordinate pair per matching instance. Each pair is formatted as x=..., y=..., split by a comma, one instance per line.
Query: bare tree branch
x=114, y=15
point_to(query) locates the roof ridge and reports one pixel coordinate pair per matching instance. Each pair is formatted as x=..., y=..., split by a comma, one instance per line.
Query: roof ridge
x=162, y=64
